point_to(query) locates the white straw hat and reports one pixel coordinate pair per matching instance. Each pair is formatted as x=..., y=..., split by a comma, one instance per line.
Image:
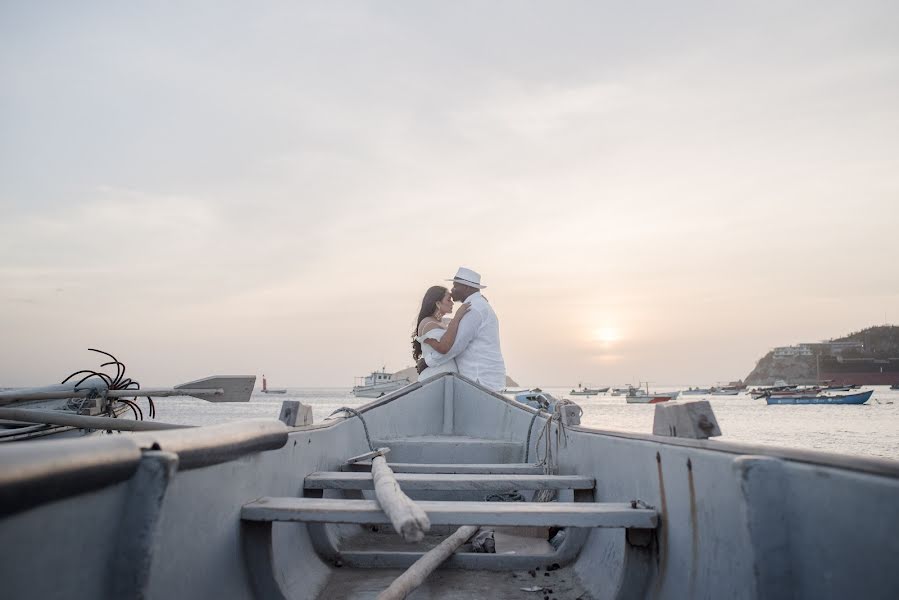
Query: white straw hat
x=468, y=277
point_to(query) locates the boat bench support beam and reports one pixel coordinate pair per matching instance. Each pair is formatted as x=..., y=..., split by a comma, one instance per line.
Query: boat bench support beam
x=637, y=567
x=458, y=468
x=259, y=556
x=138, y=538
x=763, y=484
x=445, y=481
x=448, y=405
x=512, y=514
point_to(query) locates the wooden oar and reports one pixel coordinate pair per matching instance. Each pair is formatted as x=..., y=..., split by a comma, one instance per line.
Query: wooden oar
x=221, y=388
x=415, y=575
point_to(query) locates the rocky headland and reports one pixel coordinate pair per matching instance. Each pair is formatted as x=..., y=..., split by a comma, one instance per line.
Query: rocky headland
x=879, y=342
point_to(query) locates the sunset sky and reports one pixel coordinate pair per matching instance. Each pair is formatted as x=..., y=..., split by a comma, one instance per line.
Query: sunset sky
x=654, y=191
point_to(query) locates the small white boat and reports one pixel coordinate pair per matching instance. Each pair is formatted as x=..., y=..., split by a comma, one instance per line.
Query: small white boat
x=587, y=391
x=638, y=396
x=378, y=384
x=724, y=392
x=696, y=392
x=641, y=398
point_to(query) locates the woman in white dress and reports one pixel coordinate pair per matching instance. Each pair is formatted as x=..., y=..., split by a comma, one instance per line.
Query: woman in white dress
x=434, y=335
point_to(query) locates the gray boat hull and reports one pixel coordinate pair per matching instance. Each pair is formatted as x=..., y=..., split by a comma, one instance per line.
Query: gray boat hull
x=158, y=515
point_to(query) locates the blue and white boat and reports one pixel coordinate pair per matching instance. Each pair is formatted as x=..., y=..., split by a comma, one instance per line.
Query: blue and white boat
x=859, y=398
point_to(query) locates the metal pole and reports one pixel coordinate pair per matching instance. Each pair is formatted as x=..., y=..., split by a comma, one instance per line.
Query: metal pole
x=56, y=417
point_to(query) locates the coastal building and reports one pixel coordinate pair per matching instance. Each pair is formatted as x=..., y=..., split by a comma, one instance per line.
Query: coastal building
x=790, y=351
x=834, y=348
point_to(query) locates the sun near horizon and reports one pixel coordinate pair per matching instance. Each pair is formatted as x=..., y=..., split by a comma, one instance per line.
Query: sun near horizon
x=659, y=194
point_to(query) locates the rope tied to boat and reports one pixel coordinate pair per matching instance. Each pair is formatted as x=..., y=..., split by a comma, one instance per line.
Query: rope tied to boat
x=557, y=437
x=356, y=413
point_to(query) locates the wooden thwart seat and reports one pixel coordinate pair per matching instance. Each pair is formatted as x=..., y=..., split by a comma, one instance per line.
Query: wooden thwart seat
x=559, y=514
x=460, y=468
x=444, y=481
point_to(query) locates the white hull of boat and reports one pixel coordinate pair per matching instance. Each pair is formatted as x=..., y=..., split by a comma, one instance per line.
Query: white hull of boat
x=647, y=399
x=220, y=504
x=378, y=390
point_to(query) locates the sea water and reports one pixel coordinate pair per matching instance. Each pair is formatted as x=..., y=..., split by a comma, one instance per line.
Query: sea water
x=870, y=429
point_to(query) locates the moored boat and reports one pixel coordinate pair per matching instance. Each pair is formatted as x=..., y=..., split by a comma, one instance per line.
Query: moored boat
x=377, y=384
x=859, y=398
x=724, y=392
x=696, y=391
x=260, y=509
x=636, y=396
x=268, y=390
x=587, y=391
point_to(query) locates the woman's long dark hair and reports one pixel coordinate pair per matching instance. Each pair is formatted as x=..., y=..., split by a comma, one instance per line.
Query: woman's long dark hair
x=428, y=306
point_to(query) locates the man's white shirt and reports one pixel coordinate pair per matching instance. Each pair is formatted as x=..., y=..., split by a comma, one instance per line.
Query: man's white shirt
x=476, y=349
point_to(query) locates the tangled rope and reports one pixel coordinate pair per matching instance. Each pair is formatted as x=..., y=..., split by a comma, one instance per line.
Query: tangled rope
x=356, y=413
x=553, y=438
x=119, y=382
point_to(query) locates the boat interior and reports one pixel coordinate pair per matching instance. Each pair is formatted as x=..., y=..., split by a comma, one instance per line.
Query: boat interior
x=260, y=509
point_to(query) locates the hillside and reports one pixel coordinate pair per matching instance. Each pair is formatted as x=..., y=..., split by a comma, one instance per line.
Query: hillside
x=881, y=342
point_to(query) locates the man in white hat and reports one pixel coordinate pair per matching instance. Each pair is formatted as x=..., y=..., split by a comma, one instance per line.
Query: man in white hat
x=476, y=349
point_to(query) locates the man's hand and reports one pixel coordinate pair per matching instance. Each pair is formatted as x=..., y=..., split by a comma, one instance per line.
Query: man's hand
x=460, y=312
x=420, y=365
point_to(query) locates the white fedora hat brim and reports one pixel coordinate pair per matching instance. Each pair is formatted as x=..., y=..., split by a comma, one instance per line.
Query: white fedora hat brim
x=466, y=282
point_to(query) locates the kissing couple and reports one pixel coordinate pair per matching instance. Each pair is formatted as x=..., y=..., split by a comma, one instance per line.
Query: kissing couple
x=468, y=343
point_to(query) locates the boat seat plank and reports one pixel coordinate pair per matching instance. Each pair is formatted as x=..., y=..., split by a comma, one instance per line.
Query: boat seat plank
x=541, y=514
x=442, y=481
x=485, y=468
x=445, y=440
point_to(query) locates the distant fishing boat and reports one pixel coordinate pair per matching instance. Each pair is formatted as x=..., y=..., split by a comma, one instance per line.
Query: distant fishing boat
x=378, y=384
x=724, y=392
x=860, y=398
x=697, y=391
x=586, y=391
x=778, y=389
x=637, y=396
x=268, y=390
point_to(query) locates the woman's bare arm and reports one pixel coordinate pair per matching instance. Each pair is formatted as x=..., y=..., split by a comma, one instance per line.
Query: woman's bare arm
x=444, y=344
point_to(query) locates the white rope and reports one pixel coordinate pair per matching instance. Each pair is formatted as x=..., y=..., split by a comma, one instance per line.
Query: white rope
x=550, y=460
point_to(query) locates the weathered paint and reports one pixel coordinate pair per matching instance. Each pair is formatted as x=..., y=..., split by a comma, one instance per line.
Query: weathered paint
x=837, y=516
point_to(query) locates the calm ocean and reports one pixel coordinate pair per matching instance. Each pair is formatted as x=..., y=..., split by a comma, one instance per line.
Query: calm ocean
x=871, y=429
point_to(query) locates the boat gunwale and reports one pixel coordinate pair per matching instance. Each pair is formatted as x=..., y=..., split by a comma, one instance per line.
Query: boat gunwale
x=872, y=465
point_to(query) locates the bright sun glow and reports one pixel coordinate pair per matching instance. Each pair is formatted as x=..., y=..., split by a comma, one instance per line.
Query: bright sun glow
x=607, y=334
